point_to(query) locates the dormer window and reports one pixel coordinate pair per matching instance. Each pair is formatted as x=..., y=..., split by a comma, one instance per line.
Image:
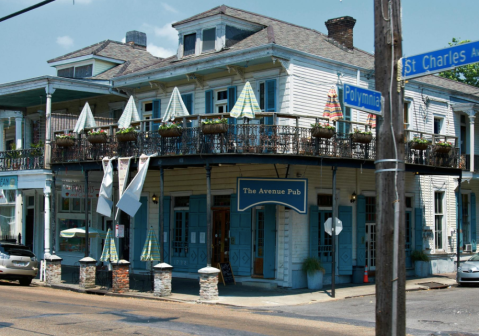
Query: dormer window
x=189, y=44
x=76, y=72
x=234, y=35
x=209, y=39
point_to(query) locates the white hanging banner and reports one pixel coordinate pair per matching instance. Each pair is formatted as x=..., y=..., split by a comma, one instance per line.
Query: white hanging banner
x=123, y=169
x=105, y=203
x=3, y=200
x=130, y=200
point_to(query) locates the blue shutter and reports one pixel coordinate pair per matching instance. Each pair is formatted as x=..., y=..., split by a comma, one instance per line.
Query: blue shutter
x=345, y=239
x=313, y=231
x=240, y=239
x=270, y=99
x=188, y=100
x=361, y=231
x=141, y=220
x=209, y=101
x=231, y=102
x=473, y=222
x=418, y=229
x=156, y=114
x=459, y=218
x=269, y=241
x=197, y=253
x=166, y=228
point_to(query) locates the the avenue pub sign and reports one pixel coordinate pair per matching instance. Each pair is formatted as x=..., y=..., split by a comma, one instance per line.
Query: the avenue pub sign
x=254, y=191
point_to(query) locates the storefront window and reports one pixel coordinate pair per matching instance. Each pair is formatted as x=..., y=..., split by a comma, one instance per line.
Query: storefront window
x=71, y=244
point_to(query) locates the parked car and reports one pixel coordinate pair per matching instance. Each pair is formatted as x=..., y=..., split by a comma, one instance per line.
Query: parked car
x=17, y=262
x=468, y=272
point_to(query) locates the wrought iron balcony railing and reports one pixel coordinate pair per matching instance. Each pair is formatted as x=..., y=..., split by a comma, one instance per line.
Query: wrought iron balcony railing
x=23, y=159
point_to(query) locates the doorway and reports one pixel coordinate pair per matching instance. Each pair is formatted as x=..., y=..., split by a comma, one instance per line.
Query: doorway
x=220, y=239
x=29, y=233
x=264, y=248
x=371, y=246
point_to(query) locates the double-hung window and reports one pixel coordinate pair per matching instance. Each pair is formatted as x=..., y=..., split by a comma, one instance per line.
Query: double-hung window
x=343, y=127
x=189, y=44
x=267, y=98
x=209, y=39
x=181, y=232
x=438, y=219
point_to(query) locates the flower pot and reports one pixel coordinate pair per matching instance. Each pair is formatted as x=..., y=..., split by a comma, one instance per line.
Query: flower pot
x=321, y=132
x=421, y=268
x=170, y=132
x=126, y=137
x=214, y=128
x=65, y=142
x=419, y=146
x=97, y=138
x=361, y=138
x=443, y=149
x=315, y=281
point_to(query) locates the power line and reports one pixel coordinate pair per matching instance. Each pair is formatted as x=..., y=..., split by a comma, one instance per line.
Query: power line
x=40, y=4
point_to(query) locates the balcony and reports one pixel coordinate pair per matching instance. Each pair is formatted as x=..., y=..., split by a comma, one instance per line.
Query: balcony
x=24, y=159
x=258, y=139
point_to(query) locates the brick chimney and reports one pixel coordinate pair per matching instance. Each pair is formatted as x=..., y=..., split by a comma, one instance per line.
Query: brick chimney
x=341, y=30
x=136, y=38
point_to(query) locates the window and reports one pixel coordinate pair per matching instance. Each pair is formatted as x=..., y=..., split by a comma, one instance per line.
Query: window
x=67, y=72
x=71, y=204
x=221, y=200
x=325, y=200
x=463, y=134
x=71, y=244
x=188, y=101
x=209, y=38
x=180, y=243
x=84, y=71
x=406, y=115
x=147, y=114
x=437, y=125
x=343, y=128
x=182, y=201
x=370, y=209
x=466, y=225
x=438, y=219
x=189, y=44
x=408, y=202
x=234, y=35
x=325, y=241
x=221, y=101
x=267, y=98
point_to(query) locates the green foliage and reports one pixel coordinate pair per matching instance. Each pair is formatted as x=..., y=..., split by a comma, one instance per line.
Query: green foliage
x=166, y=126
x=443, y=144
x=417, y=255
x=37, y=149
x=468, y=74
x=97, y=132
x=319, y=125
x=357, y=131
x=312, y=265
x=420, y=140
x=130, y=129
x=215, y=121
x=65, y=136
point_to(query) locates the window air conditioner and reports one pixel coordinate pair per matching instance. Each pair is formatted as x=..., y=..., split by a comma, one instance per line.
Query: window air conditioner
x=468, y=248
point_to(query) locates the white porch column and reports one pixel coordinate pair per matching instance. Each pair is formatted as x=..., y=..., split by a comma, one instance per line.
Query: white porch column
x=18, y=132
x=472, y=119
x=2, y=136
x=48, y=134
x=47, y=190
x=19, y=214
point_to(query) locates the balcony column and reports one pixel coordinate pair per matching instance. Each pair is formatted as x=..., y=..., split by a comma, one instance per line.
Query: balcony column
x=472, y=119
x=18, y=132
x=48, y=125
x=2, y=136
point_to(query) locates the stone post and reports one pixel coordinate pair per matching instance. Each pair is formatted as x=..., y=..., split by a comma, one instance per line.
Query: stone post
x=121, y=276
x=53, y=270
x=162, y=285
x=209, y=283
x=87, y=272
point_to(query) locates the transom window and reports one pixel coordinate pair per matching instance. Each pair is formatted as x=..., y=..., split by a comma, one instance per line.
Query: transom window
x=221, y=200
x=182, y=201
x=370, y=209
x=325, y=200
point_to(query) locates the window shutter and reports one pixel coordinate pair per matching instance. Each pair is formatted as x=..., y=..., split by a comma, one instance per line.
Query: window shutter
x=345, y=240
x=231, y=102
x=459, y=217
x=166, y=228
x=240, y=239
x=209, y=101
x=313, y=231
x=188, y=101
x=361, y=231
x=473, y=222
x=418, y=229
x=197, y=225
x=270, y=99
x=156, y=113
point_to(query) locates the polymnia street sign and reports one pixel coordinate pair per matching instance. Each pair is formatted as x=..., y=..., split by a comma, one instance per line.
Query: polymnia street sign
x=362, y=99
x=439, y=60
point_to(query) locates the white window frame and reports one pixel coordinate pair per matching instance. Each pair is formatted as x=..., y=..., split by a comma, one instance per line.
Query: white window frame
x=469, y=205
x=202, y=51
x=146, y=115
x=441, y=131
x=263, y=81
x=443, y=222
x=218, y=103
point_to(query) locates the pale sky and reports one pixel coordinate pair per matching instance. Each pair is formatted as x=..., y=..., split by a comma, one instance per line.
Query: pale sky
x=29, y=40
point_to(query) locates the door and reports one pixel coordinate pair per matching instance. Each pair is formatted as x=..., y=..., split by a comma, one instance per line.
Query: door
x=220, y=239
x=325, y=246
x=408, y=239
x=180, y=240
x=29, y=220
x=265, y=242
x=258, y=247
x=141, y=227
x=371, y=246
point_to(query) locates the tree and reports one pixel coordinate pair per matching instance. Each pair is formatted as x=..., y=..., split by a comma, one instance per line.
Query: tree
x=468, y=74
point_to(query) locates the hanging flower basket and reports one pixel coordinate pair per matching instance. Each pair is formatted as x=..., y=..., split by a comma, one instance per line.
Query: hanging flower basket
x=442, y=149
x=361, y=138
x=321, y=132
x=170, y=132
x=65, y=142
x=97, y=138
x=214, y=128
x=419, y=146
x=124, y=137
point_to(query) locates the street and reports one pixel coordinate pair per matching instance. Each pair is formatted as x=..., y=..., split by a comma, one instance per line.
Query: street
x=45, y=311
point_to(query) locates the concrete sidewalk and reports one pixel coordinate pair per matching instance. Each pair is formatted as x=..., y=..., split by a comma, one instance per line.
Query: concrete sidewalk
x=187, y=290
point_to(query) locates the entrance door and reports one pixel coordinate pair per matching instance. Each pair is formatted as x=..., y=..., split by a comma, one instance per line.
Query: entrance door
x=29, y=220
x=220, y=239
x=141, y=228
x=371, y=246
x=325, y=248
x=408, y=239
x=265, y=242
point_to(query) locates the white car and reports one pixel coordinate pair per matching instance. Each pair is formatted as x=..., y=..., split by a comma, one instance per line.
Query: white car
x=17, y=262
x=468, y=272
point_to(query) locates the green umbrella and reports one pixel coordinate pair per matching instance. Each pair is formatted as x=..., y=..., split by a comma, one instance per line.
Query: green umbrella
x=246, y=105
x=109, y=250
x=151, y=250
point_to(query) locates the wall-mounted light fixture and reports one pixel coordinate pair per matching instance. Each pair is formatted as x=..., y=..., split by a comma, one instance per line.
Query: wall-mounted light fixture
x=154, y=198
x=353, y=197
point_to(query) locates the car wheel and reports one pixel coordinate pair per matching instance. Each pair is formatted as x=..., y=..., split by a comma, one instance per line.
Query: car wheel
x=25, y=282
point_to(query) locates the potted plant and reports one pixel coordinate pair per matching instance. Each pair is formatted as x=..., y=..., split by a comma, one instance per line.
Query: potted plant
x=314, y=271
x=126, y=134
x=421, y=263
x=361, y=137
x=65, y=140
x=323, y=131
x=37, y=149
x=169, y=130
x=443, y=147
x=99, y=136
x=214, y=126
x=419, y=143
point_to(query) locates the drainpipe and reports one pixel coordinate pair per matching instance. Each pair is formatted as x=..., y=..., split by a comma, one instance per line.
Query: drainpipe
x=459, y=223
x=87, y=235
x=472, y=119
x=208, y=214
x=162, y=215
x=333, y=233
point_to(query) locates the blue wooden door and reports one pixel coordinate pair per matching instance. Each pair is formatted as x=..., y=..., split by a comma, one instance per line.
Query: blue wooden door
x=165, y=236
x=180, y=241
x=141, y=229
x=197, y=253
x=345, y=241
x=408, y=240
x=269, y=262
x=325, y=241
x=240, y=239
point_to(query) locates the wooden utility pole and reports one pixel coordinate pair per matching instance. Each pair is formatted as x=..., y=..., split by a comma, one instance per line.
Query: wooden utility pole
x=390, y=229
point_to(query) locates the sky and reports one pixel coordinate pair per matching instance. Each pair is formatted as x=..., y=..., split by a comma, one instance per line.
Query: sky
x=29, y=40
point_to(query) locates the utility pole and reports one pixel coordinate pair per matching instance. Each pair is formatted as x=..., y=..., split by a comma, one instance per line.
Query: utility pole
x=390, y=227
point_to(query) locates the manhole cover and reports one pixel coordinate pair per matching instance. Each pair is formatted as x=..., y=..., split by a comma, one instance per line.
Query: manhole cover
x=433, y=285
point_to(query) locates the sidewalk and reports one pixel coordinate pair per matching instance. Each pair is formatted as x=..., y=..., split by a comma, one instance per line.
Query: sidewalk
x=187, y=290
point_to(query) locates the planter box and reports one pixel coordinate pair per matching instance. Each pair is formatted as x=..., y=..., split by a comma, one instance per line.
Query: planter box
x=442, y=149
x=419, y=146
x=324, y=133
x=214, y=128
x=315, y=281
x=361, y=138
x=126, y=137
x=170, y=132
x=65, y=142
x=97, y=138
x=421, y=268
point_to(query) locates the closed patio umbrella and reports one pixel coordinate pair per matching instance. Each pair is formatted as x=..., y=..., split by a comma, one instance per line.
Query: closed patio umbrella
x=176, y=107
x=85, y=119
x=130, y=113
x=332, y=109
x=151, y=249
x=109, y=249
x=246, y=106
x=80, y=232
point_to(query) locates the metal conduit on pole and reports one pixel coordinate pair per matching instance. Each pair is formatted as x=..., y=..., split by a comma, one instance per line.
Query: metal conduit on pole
x=162, y=215
x=333, y=236
x=87, y=247
x=208, y=214
x=459, y=225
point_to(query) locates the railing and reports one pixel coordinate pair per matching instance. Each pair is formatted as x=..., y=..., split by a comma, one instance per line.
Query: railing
x=465, y=162
x=24, y=159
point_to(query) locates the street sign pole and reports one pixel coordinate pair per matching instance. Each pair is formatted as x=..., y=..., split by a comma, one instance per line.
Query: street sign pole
x=333, y=237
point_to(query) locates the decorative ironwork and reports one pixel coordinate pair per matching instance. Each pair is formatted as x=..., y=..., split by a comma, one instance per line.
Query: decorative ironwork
x=23, y=159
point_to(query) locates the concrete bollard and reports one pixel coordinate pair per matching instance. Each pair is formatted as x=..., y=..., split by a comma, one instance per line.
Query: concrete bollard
x=162, y=284
x=87, y=272
x=209, y=283
x=53, y=270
